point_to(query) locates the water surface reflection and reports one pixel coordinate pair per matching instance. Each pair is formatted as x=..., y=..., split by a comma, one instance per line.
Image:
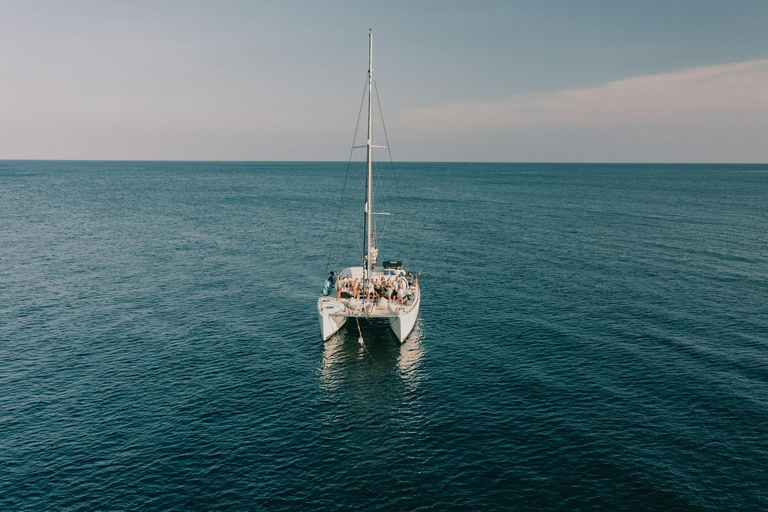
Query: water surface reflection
x=379, y=375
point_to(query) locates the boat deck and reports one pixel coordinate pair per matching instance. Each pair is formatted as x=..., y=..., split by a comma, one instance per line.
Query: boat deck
x=352, y=308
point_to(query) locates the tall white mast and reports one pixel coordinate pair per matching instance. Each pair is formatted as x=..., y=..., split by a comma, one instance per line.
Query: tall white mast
x=369, y=164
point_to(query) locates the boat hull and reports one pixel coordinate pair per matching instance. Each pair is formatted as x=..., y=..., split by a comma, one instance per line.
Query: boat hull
x=402, y=325
x=334, y=314
x=330, y=321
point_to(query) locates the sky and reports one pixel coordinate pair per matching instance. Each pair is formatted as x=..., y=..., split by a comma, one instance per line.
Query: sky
x=499, y=81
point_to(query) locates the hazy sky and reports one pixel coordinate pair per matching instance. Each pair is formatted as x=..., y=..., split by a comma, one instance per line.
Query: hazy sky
x=570, y=80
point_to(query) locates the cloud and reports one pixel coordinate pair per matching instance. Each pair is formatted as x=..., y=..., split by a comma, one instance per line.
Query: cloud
x=703, y=114
x=712, y=93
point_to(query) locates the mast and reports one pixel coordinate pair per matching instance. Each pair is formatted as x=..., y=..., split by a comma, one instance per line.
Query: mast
x=368, y=232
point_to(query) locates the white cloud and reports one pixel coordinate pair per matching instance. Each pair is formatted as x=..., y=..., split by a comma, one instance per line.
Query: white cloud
x=713, y=113
x=730, y=91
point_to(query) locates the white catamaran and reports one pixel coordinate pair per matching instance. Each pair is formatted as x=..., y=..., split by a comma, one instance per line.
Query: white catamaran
x=383, y=292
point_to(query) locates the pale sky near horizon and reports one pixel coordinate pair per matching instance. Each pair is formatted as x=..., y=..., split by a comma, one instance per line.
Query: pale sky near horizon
x=516, y=81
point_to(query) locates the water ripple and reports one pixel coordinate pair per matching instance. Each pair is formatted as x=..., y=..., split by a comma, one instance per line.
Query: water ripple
x=591, y=337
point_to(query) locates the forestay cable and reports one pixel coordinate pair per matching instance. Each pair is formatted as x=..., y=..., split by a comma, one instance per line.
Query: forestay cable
x=346, y=176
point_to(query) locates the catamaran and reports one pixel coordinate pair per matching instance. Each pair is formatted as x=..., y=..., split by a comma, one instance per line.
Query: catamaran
x=373, y=292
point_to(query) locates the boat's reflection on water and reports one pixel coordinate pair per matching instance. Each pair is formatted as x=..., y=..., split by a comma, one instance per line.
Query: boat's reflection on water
x=371, y=406
x=379, y=360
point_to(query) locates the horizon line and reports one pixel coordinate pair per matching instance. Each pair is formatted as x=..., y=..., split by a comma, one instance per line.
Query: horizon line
x=394, y=161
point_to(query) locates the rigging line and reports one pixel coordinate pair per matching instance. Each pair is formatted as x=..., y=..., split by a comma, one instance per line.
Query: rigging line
x=356, y=233
x=399, y=198
x=392, y=165
x=380, y=185
x=386, y=140
x=344, y=188
x=386, y=203
x=358, y=236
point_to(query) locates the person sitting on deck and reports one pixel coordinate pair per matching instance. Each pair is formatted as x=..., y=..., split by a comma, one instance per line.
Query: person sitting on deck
x=344, y=284
x=355, y=289
x=402, y=290
x=367, y=290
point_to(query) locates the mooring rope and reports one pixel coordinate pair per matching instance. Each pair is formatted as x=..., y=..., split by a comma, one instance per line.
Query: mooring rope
x=362, y=343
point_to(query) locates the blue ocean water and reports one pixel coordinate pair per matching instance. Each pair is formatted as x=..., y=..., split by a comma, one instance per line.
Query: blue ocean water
x=592, y=337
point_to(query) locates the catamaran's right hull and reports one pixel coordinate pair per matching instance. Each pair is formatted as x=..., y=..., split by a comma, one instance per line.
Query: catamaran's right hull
x=402, y=325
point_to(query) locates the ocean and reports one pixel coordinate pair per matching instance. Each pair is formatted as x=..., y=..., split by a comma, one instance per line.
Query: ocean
x=591, y=337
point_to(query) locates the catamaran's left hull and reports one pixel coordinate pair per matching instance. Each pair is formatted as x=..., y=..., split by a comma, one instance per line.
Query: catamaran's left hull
x=330, y=323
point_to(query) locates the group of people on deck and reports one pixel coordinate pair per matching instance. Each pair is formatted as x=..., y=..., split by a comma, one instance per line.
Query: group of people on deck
x=396, y=288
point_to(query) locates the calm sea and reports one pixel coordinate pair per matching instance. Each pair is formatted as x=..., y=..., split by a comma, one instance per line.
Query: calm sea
x=592, y=337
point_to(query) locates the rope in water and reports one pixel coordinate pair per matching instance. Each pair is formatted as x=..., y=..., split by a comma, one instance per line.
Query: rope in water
x=360, y=339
